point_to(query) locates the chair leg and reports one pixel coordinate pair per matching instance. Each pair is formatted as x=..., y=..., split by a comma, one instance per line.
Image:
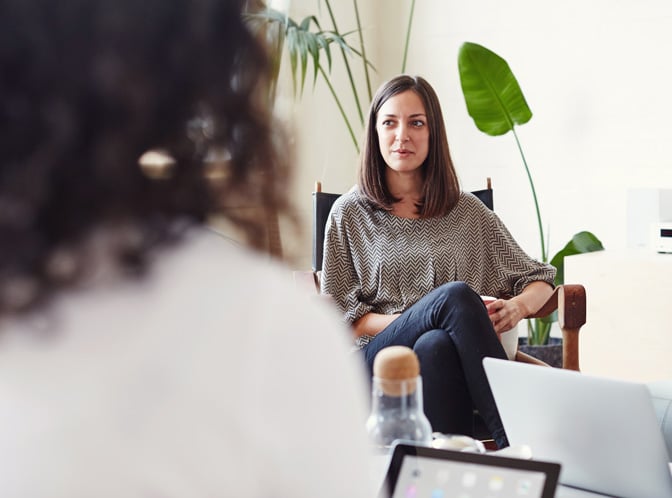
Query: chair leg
x=570, y=349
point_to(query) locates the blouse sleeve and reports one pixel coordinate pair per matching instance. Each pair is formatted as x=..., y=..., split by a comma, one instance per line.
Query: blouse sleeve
x=512, y=267
x=339, y=276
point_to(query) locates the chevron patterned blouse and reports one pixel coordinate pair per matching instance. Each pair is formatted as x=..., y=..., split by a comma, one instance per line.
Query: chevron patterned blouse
x=377, y=262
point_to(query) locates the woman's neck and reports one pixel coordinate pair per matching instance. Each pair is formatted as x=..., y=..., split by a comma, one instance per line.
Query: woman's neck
x=403, y=185
x=408, y=189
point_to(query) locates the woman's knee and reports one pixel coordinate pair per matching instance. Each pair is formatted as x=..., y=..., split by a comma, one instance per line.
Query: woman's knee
x=454, y=297
x=435, y=346
x=458, y=292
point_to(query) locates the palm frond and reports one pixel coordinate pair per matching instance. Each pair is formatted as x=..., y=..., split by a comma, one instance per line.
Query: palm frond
x=305, y=43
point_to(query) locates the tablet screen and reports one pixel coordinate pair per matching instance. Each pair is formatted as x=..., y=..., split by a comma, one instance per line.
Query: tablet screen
x=417, y=472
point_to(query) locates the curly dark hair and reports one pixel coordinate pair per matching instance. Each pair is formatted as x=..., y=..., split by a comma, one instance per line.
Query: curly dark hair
x=87, y=87
x=441, y=189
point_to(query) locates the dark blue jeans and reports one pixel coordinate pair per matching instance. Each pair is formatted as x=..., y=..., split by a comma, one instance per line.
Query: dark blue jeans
x=450, y=331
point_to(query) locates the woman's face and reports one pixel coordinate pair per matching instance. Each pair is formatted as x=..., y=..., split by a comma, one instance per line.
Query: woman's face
x=403, y=133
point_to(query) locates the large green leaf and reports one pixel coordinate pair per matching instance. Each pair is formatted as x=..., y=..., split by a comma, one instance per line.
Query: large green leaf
x=492, y=94
x=581, y=243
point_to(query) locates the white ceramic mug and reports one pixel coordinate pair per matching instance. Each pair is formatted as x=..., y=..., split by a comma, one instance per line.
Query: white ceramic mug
x=509, y=339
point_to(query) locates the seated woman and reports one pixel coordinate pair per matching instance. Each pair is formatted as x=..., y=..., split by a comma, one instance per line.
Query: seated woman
x=407, y=254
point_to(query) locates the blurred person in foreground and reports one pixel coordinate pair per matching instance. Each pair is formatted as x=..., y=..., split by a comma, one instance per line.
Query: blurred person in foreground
x=141, y=355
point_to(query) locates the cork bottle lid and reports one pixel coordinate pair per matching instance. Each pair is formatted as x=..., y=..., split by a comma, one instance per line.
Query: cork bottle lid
x=392, y=366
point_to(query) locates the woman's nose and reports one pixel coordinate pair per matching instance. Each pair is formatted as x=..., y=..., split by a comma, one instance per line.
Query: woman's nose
x=402, y=134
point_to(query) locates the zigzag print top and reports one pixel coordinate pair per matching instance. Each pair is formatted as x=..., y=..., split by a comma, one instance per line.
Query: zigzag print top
x=377, y=262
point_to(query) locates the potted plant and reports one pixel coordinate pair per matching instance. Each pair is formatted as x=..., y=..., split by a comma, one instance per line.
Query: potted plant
x=496, y=104
x=306, y=41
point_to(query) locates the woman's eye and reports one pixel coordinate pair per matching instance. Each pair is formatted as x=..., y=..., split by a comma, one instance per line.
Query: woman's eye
x=387, y=122
x=417, y=123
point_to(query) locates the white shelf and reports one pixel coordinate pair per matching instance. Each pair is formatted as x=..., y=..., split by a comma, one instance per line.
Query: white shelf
x=628, y=334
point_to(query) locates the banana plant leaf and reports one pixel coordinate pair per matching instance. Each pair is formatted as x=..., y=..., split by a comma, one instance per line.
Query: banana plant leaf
x=492, y=94
x=581, y=243
x=497, y=104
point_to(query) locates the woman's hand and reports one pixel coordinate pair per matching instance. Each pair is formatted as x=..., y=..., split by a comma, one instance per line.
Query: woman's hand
x=506, y=313
x=372, y=323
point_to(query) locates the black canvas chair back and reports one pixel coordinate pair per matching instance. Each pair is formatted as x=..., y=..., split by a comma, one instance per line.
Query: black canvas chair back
x=322, y=202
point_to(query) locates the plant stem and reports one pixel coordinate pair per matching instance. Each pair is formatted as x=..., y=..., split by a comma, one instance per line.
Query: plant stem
x=277, y=40
x=408, y=37
x=544, y=256
x=361, y=44
x=538, y=331
x=340, y=108
x=347, y=67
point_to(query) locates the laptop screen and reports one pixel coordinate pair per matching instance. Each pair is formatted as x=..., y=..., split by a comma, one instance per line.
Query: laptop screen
x=573, y=417
x=419, y=472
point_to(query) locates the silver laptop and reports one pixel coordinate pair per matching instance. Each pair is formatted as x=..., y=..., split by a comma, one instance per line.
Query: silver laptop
x=604, y=432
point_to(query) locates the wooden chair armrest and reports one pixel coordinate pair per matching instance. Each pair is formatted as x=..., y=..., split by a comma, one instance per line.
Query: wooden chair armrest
x=572, y=306
x=570, y=301
x=571, y=317
x=549, y=306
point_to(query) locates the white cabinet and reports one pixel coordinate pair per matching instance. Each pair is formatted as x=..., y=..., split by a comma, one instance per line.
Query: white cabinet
x=628, y=334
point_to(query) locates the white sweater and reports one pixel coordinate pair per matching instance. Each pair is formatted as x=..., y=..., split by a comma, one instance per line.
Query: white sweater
x=210, y=378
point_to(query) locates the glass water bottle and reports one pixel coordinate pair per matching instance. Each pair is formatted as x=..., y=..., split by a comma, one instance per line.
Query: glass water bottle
x=396, y=399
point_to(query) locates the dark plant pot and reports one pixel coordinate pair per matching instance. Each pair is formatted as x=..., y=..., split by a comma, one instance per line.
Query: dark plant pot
x=550, y=353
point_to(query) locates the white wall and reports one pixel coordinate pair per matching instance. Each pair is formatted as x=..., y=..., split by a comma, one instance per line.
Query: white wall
x=595, y=74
